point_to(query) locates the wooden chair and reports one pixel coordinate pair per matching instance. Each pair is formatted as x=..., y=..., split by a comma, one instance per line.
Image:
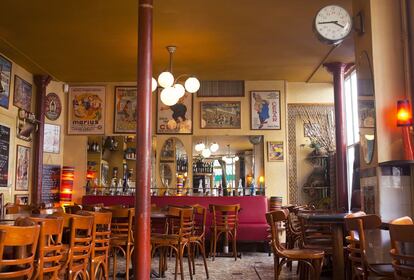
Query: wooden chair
x=199, y=234
x=80, y=243
x=49, y=252
x=22, y=241
x=122, y=237
x=182, y=220
x=225, y=221
x=402, y=245
x=356, y=225
x=101, y=237
x=313, y=259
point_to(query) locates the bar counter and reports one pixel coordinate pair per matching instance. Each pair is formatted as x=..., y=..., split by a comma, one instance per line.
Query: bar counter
x=252, y=219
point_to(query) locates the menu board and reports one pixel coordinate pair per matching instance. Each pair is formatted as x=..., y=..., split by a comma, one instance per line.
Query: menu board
x=50, y=183
x=4, y=155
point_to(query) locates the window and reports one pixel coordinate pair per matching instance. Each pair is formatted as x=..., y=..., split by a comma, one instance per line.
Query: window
x=352, y=127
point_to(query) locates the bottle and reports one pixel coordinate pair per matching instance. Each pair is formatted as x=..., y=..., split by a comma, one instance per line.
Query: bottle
x=240, y=188
x=200, y=187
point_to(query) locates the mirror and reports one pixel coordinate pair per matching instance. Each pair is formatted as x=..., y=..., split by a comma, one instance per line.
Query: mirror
x=173, y=166
x=366, y=106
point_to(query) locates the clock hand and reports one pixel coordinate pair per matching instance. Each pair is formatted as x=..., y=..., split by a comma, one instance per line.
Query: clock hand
x=336, y=22
x=333, y=21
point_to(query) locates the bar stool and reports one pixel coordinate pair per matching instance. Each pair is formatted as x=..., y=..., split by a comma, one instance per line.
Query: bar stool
x=23, y=241
x=313, y=259
x=402, y=244
x=49, y=251
x=225, y=221
x=199, y=234
x=122, y=238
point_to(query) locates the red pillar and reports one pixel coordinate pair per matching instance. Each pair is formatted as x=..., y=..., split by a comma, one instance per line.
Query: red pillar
x=142, y=257
x=337, y=69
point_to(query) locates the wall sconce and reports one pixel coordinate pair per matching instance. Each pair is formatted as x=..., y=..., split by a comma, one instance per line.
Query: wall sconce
x=66, y=187
x=261, y=185
x=404, y=120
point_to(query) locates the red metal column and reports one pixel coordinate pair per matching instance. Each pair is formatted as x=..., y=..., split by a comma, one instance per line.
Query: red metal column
x=142, y=257
x=41, y=82
x=338, y=69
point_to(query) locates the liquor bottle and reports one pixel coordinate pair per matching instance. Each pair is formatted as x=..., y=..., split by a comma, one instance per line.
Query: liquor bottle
x=240, y=188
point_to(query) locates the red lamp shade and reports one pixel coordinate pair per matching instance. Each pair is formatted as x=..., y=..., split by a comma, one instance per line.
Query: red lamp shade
x=66, y=187
x=404, y=117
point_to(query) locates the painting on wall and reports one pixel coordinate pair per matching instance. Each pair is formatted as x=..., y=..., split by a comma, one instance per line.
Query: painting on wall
x=22, y=168
x=21, y=199
x=22, y=97
x=125, y=115
x=5, y=78
x=4, y=155
x=51, y=143
x=86, y=110
x=53, y=106
x=265, y=109
x=275, y=151
x=220, y=114
x=175, y=119
x=366, y=113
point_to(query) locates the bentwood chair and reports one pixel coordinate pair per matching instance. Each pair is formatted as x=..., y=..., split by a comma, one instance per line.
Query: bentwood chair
x=22, y=241
x=402, y=248
x=199, y=234
x=225, y=222
x=49, y=252
x=312, y=259
x=357, y=224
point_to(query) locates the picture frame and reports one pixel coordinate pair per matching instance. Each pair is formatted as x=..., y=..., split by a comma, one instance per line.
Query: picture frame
x=22, y=97
x=175, y=119
x=86, y=110
x=275, y=151
x=265, y=110
x=125, y=104
x=5, y=132
x=22, y=168
x=5, y=79
x=1, y=204
x=53, y=106
x=220, y=114
x=51, y=143
x=21, y=199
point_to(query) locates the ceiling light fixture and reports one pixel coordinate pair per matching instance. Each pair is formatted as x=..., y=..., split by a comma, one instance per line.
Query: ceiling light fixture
x=229, y=159
x=172, y=90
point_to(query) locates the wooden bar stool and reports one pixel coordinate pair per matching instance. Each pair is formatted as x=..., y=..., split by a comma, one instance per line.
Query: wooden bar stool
x=313, y=259
x=402, y=246
x=199, y=234
x=225, y=221
x=49, y=251
x=122, y=237
x=23, y=241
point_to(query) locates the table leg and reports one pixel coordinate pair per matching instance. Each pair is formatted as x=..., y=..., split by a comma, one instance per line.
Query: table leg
x=226, y=243
x=338, y=253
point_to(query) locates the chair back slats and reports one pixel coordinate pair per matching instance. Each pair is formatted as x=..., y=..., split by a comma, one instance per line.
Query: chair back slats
x=181, y=221
x=225, y=215
x=200, y=219
x=402, y=247
x=122, y=223
x=274, y=218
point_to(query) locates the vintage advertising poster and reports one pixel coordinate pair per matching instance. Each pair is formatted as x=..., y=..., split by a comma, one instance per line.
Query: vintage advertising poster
x=125, y=110
x=5, y=77
x=22, y=168
x=51, y=143
x=265, y=109
x=220, y=114
x=22, y=97
x=175, y=119
x=86, y=114
x=21, y=199
x=53, y=106
x=275, y=151
x=4, y=155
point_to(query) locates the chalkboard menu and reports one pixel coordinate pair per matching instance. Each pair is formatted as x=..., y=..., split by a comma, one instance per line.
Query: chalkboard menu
x=4, y=155
x=50, y=183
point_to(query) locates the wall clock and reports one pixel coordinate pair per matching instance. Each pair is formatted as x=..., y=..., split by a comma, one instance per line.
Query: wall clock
x=332, y=24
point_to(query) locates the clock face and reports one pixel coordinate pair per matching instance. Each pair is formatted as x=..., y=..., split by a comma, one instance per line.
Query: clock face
x=333, y=23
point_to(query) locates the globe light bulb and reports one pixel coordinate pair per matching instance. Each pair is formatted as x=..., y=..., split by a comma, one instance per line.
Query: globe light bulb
x=168, y=96
x=206, y=153
x=236, y=158
x=166, y=79
x=192, y=84
x=214, y=147
x=199, y=146
x=180, y=90
x=154, y=84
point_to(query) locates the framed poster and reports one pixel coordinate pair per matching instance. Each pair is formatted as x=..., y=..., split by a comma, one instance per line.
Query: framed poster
x=21, y=199
x=265, y=110
x=51, y=143
x=275, y=151
x=86, y=110
x=175, y=119
x=5, y=77
x=22, y=97
x=366, y=113
x=220, y=114
x=50, y=183
x=22, y=168
x=4, y=155
x=53, y=106
x=125, y=115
